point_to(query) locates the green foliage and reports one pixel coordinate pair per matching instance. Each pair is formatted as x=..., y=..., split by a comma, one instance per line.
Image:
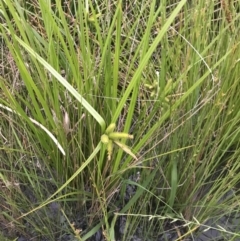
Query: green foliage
x=154, y=71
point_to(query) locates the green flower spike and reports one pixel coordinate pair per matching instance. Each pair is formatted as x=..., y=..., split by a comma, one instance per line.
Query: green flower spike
x=111, y=137
x=153, y=88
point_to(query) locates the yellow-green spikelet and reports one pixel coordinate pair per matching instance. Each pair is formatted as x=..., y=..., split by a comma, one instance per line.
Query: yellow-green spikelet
x=119, y=135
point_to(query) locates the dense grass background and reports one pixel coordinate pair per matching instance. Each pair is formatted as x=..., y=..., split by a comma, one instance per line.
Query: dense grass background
x=165, y=72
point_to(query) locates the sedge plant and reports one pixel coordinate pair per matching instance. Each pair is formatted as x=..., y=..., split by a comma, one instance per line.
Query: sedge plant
x=97, y=97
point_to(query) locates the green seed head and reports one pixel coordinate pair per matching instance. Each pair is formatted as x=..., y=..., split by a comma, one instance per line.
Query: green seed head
x=119, y=135
x=104, y=139
x=110, y=128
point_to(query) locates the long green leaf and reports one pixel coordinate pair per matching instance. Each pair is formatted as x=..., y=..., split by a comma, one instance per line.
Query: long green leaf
x=64, y=82
x=145, y=60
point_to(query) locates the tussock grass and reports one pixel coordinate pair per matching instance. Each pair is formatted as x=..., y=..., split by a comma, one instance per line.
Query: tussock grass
x=166, y=73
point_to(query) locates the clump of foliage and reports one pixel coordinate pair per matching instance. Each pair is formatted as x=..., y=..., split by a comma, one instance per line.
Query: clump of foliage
x=97, y=97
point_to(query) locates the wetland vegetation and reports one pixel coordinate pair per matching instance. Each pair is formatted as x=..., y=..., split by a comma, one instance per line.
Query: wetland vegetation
x=119, y=120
